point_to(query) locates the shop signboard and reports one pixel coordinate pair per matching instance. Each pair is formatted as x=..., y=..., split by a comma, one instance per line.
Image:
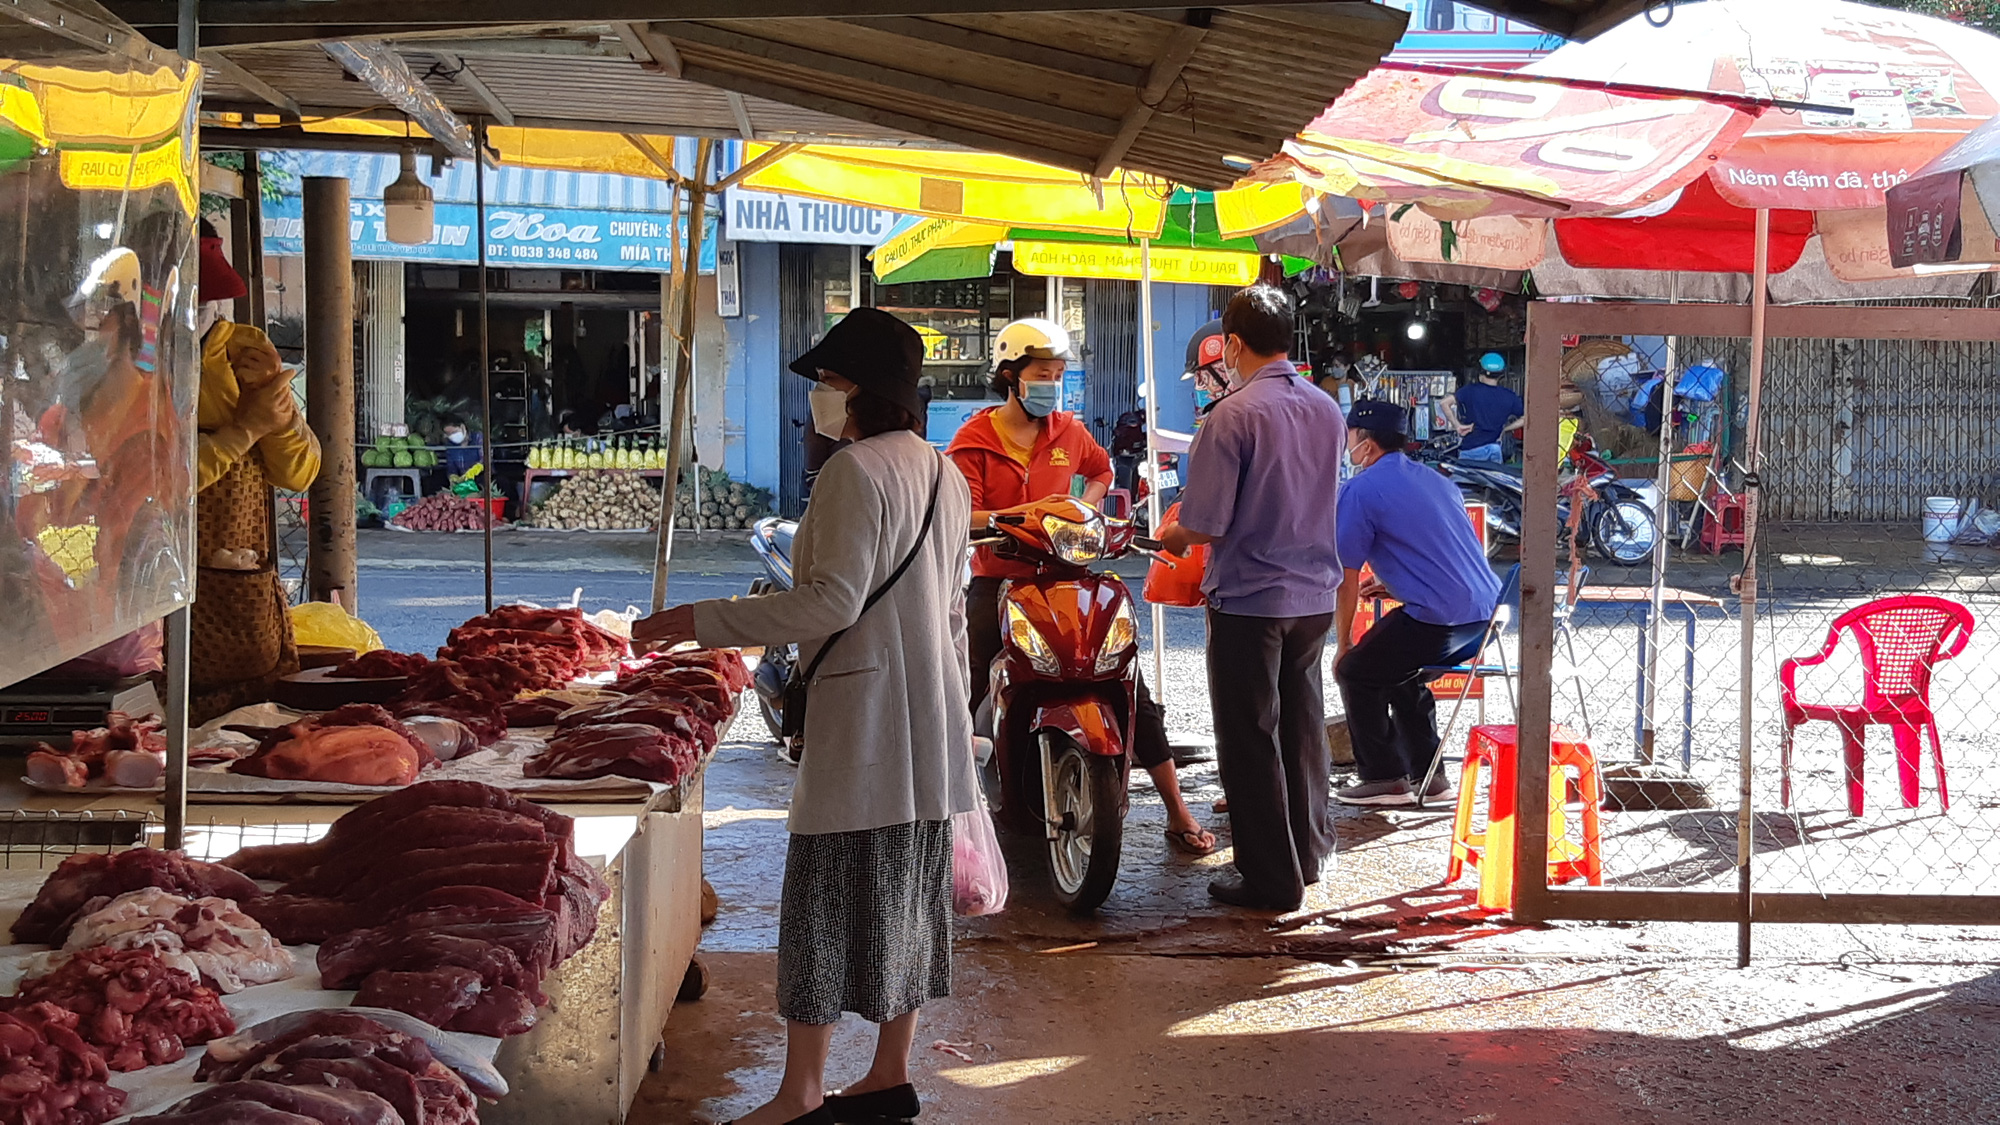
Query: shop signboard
x=762, y=216
x=948, y=416
x=1072, y=397
x=535, y=237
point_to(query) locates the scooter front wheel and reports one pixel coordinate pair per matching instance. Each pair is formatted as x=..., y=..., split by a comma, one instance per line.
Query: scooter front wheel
x=1088, y=792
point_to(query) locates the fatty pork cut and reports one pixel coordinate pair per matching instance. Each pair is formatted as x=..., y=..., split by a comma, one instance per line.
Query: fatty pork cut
x=131, y=1006
x=359, y=744
x=81, y=878
x=208, y=938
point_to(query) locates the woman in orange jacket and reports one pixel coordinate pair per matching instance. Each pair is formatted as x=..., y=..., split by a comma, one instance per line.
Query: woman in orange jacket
x=1022, y=451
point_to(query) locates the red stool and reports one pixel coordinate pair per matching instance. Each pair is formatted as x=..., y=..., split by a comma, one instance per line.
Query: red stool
x=1723, y=527
x=1493, y=748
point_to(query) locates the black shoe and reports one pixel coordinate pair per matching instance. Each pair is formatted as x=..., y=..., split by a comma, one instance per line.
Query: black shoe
x=1232, y=891
x=897, y=1103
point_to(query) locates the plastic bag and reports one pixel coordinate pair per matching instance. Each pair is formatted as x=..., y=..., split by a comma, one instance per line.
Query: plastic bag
x=135, y=654
x=1700, y=383
x=1171, y=581
x=328, y=625
x=978, y=872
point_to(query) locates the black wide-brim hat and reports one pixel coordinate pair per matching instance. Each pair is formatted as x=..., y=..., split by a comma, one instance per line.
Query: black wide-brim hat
x=874, y=351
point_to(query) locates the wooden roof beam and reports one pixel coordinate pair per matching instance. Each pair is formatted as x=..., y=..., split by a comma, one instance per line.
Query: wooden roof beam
x=922, y=85
x=651, y=47
x=740, y=109
x=234, y=72
x=821, y=102
x=1182, y=43
x=464, y=75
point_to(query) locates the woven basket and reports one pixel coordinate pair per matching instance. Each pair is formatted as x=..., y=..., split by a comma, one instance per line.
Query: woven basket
x=238, y=624
x=235, y=512
x=1689, y=479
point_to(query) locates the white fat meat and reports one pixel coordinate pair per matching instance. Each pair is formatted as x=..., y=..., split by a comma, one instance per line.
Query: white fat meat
x=134, y=769
x=207, y=938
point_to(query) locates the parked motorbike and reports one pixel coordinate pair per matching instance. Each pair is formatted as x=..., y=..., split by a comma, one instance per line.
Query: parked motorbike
x=1065, y=687
x=772, y=540
x=1616, y=521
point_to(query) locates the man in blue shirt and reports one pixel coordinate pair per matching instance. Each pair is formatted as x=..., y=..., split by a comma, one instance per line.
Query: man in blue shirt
x=1407, y=522
x=1487, y=412
x=1261, y=480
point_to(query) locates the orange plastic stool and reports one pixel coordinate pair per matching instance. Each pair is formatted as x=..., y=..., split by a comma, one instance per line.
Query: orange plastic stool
x=1724, y=526
x=1494, y=748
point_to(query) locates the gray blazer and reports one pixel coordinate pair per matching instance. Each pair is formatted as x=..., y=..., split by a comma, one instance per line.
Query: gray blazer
x=888, y=736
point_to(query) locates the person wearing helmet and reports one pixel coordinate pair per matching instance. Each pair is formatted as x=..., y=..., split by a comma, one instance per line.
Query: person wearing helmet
x=1022, y=451
x=252, y=439
x=1486, y=411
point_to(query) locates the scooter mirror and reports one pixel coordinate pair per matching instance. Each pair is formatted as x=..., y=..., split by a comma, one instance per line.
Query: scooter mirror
x=1117, y=505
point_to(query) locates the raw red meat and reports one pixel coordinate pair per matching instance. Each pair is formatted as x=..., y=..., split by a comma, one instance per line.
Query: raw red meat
x=461, y=898
x=382, y=664
x=302, y=919
x=534, y=711
x=434, y=996
x=436, y=830
x=347, y=964
x=344, y=1049
x=528, y=934
x=83, y=877
x=391, y=822
x=498, y=1012
x=234, y=1113
x=622, y=749
x=481, y=716
x=138, y=1011
x=48, y=1074
x=725, y=662
x=666, y=709
x=322, y=1104
x=602, y=648
x=711, y=689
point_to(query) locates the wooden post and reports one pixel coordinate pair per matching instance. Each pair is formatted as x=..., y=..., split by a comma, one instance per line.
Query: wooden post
x=1540, y=463
x=681, y=368
x=1760, y=284
x=330, y=567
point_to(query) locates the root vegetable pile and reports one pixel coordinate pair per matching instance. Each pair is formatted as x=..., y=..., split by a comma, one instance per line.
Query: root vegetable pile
x=443, y=512
x=600, y=501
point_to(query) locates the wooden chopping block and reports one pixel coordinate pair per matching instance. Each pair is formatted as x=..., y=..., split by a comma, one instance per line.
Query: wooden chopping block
x=323, y=656
x=316, y=690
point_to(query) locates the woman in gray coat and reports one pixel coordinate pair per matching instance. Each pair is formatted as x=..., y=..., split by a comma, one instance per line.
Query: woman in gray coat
x=865, y=919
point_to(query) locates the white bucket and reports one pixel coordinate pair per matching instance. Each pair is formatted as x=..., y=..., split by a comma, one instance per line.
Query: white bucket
x=1942, y=517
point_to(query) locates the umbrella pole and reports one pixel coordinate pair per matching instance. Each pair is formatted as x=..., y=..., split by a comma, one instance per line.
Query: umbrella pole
x=1649, y=736
x=1746, y=693
x=1152, y=458
x=681, y=369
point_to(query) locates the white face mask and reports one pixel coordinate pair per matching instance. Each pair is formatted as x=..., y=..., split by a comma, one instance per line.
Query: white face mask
x=456, y=437
x=829, y=410
x=205, y=317
x=1230, y=372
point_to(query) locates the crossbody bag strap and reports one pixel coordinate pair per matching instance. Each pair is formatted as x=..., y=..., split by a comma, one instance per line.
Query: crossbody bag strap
x=923, y=533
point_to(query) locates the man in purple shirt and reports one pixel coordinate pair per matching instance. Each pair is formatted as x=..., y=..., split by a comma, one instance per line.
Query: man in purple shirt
x=1262, y=477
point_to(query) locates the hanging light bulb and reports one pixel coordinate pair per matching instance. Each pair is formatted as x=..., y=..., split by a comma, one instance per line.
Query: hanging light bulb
x=407, y=204
x=1417, y=330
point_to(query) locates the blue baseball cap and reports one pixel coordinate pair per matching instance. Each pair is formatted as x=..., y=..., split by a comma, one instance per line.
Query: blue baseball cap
x=1379, y=417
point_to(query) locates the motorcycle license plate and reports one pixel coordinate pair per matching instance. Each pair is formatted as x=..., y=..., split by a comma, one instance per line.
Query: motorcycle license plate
x=1169, y=478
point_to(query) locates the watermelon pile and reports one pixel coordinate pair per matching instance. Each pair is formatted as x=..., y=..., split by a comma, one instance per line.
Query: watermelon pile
x=398, y=453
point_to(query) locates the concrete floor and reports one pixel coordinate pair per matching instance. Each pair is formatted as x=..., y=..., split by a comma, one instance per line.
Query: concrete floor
x=1385, y=1000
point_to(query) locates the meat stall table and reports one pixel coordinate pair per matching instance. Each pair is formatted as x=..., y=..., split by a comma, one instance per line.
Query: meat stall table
x=583, y=1062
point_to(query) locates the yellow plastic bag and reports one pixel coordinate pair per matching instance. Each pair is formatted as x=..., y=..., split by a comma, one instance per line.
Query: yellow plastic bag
x=327, y=624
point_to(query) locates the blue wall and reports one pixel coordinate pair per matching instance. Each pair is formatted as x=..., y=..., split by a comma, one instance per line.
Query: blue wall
x=1179, y=311
x=754, y=366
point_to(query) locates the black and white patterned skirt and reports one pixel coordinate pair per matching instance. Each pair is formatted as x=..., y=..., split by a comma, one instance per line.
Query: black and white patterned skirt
x=865, y=923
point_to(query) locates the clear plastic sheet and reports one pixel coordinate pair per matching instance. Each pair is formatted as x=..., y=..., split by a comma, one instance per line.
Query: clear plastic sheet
x=98, y=363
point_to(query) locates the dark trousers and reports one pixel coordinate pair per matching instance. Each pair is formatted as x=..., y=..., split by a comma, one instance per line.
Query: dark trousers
x=1270, y=744
x=1391, y=713
x=982, y=638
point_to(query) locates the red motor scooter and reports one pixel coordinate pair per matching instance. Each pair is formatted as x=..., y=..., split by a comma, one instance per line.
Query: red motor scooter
x=1065, y=687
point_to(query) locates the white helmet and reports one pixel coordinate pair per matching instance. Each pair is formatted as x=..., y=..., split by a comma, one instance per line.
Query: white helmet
x=1033, y=338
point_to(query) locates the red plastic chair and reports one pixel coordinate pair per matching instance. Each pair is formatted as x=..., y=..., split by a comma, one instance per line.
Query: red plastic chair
x=1901, y=640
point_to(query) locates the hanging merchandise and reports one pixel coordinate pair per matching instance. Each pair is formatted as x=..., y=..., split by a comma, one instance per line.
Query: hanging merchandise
x=1702, y=382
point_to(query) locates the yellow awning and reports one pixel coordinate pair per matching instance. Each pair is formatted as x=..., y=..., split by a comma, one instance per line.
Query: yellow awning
x=972, y=187
x=94, y=107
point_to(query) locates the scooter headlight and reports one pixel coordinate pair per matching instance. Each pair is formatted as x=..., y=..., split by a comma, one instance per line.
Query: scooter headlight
x=1118, y=640
x=1078, y=544
x=1028, y=640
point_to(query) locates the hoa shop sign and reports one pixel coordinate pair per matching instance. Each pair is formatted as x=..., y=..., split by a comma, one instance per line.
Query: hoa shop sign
x=762, y=216
x=516, y=235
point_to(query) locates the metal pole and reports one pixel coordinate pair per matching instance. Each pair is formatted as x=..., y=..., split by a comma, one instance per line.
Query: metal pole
x=330, y=566
x=682, y=368
x=1746, y=693
x=485, y=370
x=1152, y=459
x=179, y=622
x=669, y=488
x=1649, y=746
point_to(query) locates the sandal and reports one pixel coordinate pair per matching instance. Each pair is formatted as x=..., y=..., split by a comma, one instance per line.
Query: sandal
x=1189, y=843
x=1221, y=806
